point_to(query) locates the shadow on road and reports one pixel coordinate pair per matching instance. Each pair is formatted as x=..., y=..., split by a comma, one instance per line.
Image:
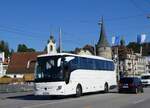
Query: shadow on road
x=33, y=97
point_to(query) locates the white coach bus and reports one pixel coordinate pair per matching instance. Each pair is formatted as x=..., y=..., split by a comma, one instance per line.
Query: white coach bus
x=67, y=74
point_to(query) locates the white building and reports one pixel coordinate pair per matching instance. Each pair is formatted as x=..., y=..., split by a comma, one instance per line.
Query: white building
x=133, y=64
x=147, y=64
x=84, y=52
x=140, y=64
x=51, y=46
x=3, y=67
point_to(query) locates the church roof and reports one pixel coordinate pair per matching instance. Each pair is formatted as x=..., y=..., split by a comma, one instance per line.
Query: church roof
x=103, y=39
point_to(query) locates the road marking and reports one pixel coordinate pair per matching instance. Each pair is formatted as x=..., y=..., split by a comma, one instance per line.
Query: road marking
x=139, y=101
x=88, y=106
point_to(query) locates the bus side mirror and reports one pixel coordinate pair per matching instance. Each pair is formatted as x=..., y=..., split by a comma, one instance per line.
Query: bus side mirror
x=29, y=63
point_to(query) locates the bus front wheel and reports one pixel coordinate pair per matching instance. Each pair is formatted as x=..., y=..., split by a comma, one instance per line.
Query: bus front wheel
x=78, y=91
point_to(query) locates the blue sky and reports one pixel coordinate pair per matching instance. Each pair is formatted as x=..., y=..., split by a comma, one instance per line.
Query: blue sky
x=31, y=21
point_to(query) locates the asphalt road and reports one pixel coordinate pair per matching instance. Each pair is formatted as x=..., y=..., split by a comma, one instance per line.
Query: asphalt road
x=97, y=100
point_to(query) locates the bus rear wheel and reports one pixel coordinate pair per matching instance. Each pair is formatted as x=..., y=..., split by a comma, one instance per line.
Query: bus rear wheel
x=78, y=91
x=106, y=88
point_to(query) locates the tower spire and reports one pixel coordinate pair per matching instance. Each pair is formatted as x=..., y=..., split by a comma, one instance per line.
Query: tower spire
x=103, y=39
x=100, y=23
x=103, y=48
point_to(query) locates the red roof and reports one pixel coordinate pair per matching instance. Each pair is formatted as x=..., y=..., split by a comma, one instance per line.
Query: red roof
x=18, y=62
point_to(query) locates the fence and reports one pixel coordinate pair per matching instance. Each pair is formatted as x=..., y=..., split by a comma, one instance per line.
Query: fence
x=11, y=80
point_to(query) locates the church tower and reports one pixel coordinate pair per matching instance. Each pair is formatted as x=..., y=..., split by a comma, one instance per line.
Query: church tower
x=103, y=48
x=51, y=46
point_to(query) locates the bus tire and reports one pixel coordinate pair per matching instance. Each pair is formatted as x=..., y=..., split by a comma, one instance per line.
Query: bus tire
x=106, y=88
x=78, y=90
x=142, y=90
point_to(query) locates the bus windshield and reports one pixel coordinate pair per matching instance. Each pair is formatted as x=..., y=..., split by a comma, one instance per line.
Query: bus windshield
x=49, y=69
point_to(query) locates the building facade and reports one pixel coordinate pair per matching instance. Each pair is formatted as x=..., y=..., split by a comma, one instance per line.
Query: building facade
x=129, y=63
x=147, y=64
x=132, y=65
x=22, y=65
x=3, y=64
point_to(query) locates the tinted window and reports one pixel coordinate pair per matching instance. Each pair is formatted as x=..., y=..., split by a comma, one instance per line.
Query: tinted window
x=91, y=64
x=48, y=70
x=74, y=64
x=126, y=80
x=83, y=63
x=137, y=81
x=130, y=80
x=145, y=77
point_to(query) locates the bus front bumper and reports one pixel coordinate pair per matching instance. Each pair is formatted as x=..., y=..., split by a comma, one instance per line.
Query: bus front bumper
x=50, y=88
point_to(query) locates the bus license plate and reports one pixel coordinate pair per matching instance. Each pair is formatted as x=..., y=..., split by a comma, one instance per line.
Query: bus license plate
x=45, y=93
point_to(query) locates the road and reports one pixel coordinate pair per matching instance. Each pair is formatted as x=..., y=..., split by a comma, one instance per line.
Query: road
x=97, y=100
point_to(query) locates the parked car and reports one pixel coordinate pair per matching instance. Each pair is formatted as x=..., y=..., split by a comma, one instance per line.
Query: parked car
x=145, y=78
x=130, y=84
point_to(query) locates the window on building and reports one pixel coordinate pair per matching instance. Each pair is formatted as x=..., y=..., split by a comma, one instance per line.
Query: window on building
x=51, y=48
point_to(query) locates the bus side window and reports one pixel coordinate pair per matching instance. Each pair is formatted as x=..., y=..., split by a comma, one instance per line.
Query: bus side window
x=73, y=64
x=83, y=63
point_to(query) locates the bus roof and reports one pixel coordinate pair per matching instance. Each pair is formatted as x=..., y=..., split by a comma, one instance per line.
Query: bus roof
x=69, y=54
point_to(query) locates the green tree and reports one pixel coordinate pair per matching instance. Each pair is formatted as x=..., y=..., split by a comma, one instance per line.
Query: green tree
x=134, y=46
x=4, y=47
x=89, y=48
x=24, y=48
x=146, y=49
x=31, y=50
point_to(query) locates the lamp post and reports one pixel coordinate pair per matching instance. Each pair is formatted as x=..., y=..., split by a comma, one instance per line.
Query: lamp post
x=116, y=60
x=118, y=73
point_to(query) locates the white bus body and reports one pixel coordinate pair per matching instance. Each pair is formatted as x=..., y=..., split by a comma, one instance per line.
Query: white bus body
x=88, y=73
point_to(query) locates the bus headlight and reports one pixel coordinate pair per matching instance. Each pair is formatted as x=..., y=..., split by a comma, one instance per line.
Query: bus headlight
x=59, y=88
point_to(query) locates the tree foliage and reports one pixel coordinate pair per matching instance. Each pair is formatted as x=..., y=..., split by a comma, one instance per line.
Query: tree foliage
x=24, y=48
x=146, y=49
x=89, y=48
x=4, y=47
x=136, y=48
